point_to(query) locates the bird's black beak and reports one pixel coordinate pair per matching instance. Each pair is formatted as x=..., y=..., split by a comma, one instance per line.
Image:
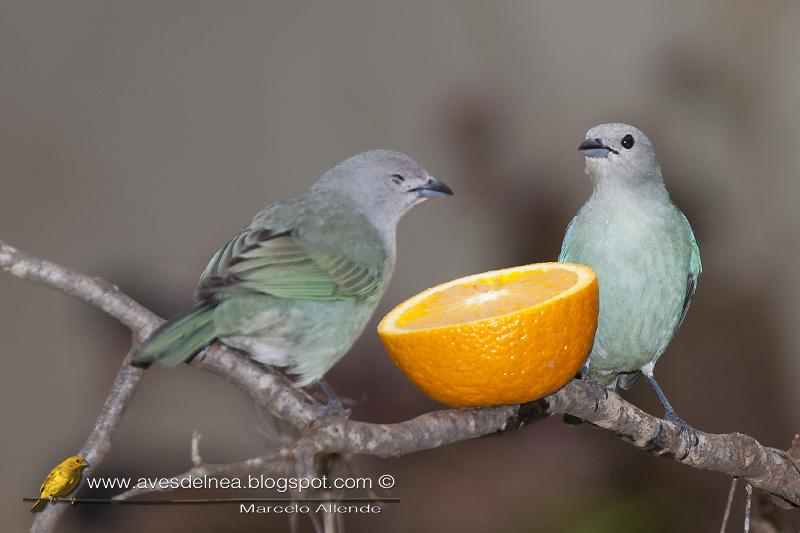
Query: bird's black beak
x=433, y=188
x=595, y=148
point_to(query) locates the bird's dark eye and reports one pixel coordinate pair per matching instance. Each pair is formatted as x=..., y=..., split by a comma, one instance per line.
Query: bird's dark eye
x=397, y=178
x=627, y=142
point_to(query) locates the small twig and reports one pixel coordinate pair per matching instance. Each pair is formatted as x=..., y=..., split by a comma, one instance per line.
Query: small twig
x=748, y=501
x=275, y=461
x=197, y=459
x=728, y=505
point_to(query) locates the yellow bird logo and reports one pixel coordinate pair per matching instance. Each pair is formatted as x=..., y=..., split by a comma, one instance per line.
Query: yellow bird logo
x=61, y=480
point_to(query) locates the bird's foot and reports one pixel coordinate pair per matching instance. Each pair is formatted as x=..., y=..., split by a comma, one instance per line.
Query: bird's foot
x=690, y=435
x=597, y=389
x=334, y=406
x=73, y=501
x=52, y=499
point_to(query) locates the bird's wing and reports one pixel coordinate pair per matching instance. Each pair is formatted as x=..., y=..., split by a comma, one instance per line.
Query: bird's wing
x=281, y=264
x=562, y=257
x=48, y=482
x=695, y=269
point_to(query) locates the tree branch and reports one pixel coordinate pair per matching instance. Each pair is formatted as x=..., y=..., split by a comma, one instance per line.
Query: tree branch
x=95, y=291
x=109, y=299
x=270, y=462
x=734, y=454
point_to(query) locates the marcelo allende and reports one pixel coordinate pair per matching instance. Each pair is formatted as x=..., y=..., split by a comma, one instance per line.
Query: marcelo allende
x=325, y=507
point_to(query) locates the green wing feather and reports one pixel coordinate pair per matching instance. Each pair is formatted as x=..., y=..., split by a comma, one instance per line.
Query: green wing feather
x=695, y=269
x=179, y=339
x=280, y=264
x=262, y=261
x=562, y=257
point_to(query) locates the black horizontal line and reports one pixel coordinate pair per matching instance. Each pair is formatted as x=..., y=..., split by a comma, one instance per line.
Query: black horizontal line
x=212, y=501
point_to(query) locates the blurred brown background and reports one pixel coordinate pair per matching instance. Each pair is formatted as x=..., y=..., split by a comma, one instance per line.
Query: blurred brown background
x=136, y=137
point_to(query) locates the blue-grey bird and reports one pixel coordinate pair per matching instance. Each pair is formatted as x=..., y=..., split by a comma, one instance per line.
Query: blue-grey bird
x=645, y=255
x=296, y=287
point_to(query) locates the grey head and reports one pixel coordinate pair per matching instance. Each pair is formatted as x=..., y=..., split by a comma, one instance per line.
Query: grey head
x=382, y=184
x=620, y=154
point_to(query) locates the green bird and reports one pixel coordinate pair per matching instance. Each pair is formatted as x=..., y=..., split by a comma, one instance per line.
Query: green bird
x=296, y=287
x=645, y=255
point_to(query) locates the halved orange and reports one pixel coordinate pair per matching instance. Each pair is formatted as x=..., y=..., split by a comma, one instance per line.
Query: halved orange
x=501, y=337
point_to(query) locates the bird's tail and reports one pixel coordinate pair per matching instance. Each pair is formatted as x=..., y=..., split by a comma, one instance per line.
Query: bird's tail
x=38, y=506
x=179, y=339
